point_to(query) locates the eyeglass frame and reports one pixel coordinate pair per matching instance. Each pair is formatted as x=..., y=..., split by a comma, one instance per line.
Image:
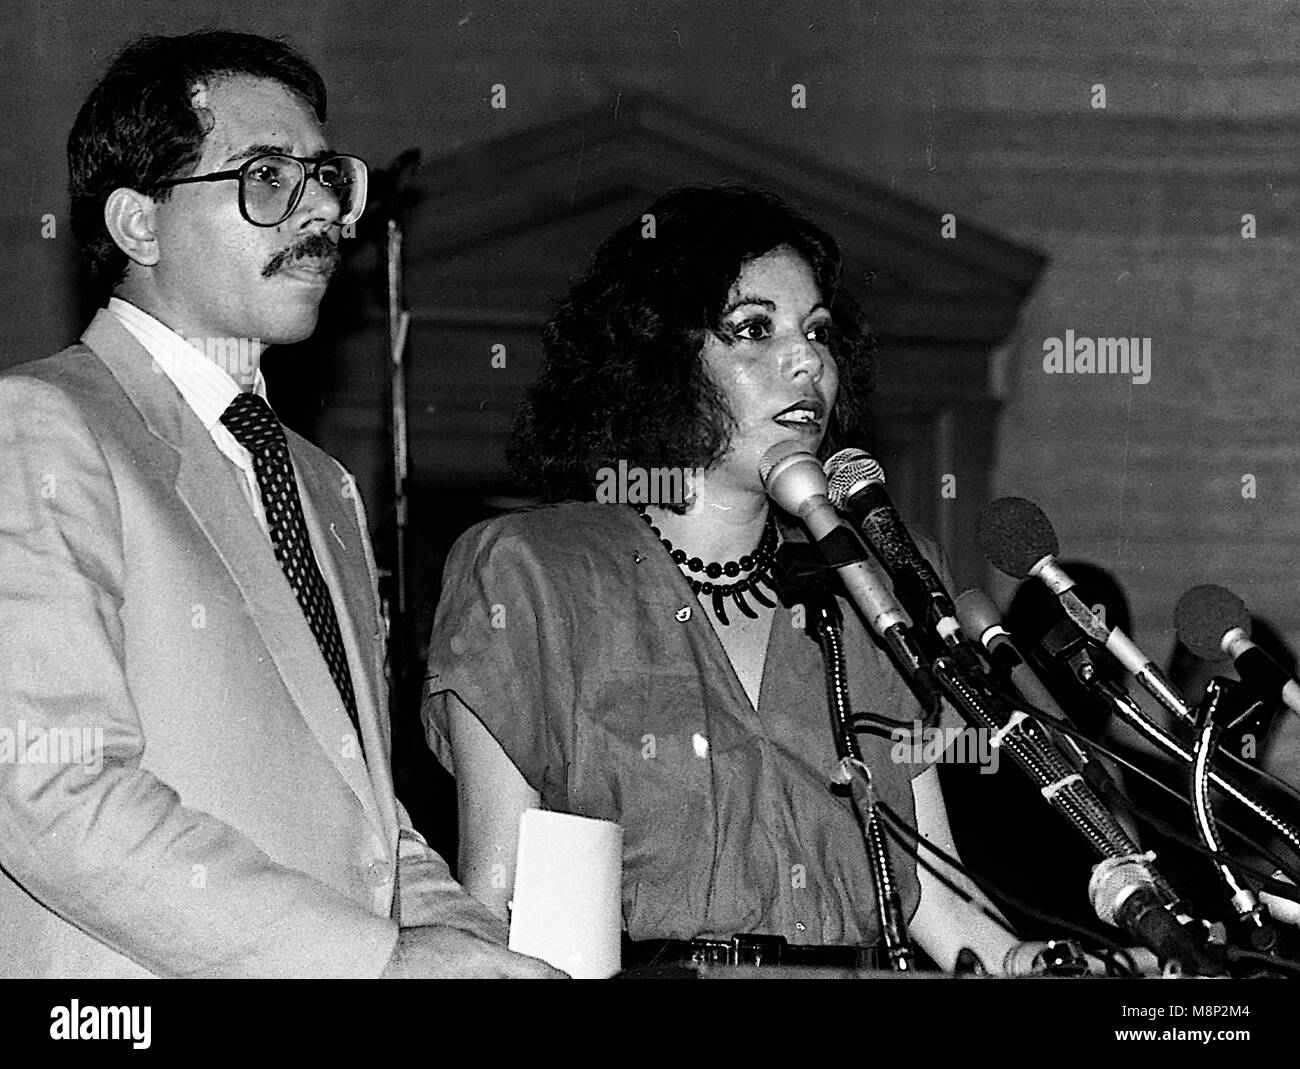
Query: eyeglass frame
x=311, y=166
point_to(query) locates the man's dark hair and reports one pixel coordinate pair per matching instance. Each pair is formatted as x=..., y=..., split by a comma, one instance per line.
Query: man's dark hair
x=623, y=377
x=139, y=126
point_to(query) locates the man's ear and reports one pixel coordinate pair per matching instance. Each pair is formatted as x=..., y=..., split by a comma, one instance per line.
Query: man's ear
x=131, y=219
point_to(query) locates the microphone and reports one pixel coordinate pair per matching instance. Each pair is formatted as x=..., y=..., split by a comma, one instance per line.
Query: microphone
x=857, y=486
x=1018, y=539
x=1027, y=745
x=1281, y=909
x=978, y=616
x=1124, y=894
x=793, y=479
x=1212, y=621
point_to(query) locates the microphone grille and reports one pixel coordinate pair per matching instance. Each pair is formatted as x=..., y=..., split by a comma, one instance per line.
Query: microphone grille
x=775, y=455
x=1015, y=535
x=1204, y=615
x=847, y=471
x=1112, y=881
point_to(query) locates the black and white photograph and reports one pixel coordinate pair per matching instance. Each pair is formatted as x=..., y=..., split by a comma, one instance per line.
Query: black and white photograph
x=650, y=491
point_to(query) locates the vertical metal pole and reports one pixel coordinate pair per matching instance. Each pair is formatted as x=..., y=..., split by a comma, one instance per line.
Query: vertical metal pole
x=889, y=904
x=399, y=321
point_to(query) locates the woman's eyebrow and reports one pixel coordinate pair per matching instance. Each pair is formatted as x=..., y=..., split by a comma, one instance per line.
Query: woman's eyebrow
x=760, y=301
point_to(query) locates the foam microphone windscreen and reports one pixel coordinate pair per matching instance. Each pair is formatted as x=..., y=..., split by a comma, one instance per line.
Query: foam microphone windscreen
x=1015, y=535
x=976, y=612
x=1204, y=615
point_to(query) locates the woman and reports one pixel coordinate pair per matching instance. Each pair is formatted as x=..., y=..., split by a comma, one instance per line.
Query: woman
x=635, y=667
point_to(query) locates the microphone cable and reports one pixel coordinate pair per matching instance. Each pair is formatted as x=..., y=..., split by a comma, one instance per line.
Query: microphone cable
x=909, y=838
x=1156, y=824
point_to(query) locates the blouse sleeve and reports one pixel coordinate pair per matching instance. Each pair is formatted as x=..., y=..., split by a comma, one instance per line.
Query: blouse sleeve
x=499, y=647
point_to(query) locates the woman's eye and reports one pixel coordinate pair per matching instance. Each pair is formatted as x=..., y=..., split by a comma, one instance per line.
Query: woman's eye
x=821, y=334
x=752, y=330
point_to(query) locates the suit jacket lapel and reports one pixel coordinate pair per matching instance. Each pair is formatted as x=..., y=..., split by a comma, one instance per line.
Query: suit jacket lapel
x=337, y=537
x=210, y=490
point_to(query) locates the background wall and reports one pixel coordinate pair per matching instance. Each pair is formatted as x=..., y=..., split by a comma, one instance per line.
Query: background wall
x=981, y=109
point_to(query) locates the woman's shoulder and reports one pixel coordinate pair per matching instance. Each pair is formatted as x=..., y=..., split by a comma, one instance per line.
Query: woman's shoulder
x=551, y=532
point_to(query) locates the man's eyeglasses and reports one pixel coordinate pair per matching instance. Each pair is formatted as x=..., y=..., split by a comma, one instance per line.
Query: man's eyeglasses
x=270, y=187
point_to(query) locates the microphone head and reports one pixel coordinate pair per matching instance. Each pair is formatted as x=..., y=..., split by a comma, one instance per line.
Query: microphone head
x=976, y=612
x=791, y=476
x=1204, y=615
x=1015, y=535
x=778, y=453
x=848, y=471
x=1112, y=881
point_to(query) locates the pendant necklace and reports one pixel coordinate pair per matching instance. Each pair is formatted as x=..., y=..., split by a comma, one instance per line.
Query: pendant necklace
x=757, y=564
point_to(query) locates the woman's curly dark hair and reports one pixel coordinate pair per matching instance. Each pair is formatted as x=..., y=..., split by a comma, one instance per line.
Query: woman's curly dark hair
x=623, y=377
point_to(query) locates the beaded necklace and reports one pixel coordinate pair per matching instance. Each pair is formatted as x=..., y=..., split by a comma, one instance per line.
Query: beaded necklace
x=758, y=564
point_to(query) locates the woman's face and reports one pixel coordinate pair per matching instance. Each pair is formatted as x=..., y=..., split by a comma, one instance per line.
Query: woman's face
x=772, y=362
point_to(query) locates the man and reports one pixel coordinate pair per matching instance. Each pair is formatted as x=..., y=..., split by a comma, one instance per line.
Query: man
x=194, y=751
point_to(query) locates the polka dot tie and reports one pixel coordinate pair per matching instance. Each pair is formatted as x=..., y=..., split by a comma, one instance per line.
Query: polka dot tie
x=256, y=428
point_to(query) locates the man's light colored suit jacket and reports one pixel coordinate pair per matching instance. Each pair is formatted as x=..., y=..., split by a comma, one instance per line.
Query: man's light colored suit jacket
x=233, y=827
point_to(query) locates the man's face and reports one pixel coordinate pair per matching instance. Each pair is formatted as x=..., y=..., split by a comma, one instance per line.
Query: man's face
x=219, y=276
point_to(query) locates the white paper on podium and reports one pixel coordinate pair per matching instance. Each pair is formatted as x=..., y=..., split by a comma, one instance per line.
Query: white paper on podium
x=568, y=899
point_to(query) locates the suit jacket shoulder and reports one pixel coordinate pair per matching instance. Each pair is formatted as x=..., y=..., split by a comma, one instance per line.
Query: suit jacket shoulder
x=226, y=826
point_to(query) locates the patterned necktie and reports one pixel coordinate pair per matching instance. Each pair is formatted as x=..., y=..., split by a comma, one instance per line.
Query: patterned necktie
x=256, y=428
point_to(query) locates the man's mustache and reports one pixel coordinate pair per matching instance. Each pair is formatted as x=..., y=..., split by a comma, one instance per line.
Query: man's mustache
x=313, y=247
